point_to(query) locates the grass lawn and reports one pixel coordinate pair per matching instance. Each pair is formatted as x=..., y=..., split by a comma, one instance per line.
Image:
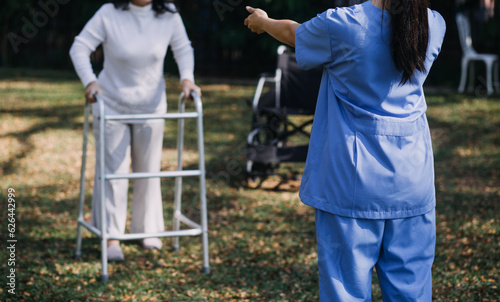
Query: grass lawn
x=262, y=241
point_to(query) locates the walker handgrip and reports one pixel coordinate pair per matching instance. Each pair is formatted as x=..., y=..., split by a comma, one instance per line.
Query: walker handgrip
x=194, y=95
x=97, y=97
x=197, y=101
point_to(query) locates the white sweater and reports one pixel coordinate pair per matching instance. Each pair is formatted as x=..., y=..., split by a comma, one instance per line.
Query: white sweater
x=135, y=43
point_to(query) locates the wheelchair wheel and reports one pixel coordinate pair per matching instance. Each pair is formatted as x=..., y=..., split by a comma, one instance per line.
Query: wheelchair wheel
x=253, y=182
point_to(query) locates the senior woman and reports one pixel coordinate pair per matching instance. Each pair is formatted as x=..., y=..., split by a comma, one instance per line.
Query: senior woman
x=135, y=36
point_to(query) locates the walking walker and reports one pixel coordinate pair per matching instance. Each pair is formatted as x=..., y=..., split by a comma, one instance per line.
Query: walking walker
x=195, y=228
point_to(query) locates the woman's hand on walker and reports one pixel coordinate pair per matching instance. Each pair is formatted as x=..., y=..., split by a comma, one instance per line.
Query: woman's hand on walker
x=255, y=22
x=188, y=86
x=92, y=89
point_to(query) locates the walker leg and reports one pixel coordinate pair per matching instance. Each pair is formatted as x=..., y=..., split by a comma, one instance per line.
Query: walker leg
x=204, y=225
x=204, y=219
x=178, y=180
x=104, y=260
x=102, y=208
x=206, y=265
x=203, y=191
x=104, y=277
x=177, y=211
x=78, y=252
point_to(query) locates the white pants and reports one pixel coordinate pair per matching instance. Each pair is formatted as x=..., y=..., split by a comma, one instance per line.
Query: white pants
x=141, y=142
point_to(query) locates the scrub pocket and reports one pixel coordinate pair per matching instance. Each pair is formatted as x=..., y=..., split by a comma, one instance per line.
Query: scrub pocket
x=394, y=166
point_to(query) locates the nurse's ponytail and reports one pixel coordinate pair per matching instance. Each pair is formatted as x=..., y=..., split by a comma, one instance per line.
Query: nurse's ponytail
x=410, y=35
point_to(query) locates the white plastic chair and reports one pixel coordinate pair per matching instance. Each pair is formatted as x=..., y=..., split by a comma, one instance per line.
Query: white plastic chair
x=469, y=54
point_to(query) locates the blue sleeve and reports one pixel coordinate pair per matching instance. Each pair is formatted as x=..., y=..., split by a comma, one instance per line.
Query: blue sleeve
x=437, y=31
x=313, y=43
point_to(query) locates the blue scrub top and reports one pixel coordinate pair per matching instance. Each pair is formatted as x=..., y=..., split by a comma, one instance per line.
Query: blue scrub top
x=370, y=153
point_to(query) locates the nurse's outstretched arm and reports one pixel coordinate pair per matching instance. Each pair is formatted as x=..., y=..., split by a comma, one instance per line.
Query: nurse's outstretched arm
x=281, y=30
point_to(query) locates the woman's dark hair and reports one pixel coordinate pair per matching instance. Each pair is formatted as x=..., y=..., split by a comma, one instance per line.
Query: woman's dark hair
x=159, y=6
x=410, y=35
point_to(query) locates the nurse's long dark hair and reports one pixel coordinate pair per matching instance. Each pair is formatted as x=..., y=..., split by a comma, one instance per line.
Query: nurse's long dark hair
x=410, y=35
x=159, y=6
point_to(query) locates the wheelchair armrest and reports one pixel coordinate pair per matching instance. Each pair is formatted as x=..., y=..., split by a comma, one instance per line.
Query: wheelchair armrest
x=268, y=77
x=264, y=78
x=266, y=74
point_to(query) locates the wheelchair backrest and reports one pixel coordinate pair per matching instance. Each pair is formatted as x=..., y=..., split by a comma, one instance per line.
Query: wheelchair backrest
x=299, y=88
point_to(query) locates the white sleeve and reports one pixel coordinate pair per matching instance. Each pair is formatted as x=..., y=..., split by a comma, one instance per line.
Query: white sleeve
x=92, y=35
x=182, y=50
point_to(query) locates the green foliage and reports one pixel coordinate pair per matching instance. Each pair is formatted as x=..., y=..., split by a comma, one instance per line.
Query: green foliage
x=223, y=46
x=234, y=49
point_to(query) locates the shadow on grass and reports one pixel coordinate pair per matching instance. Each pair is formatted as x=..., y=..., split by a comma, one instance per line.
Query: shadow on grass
x=245, y=259
x=60, y=117
x=262, y=242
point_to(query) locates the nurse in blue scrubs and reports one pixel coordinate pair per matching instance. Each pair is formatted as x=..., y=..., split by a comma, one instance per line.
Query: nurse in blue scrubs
x=369, y=173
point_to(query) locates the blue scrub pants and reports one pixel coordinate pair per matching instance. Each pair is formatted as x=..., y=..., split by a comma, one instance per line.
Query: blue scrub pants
x=401, y=250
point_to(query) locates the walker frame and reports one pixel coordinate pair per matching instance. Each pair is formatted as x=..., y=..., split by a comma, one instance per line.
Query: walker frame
x=195, y=228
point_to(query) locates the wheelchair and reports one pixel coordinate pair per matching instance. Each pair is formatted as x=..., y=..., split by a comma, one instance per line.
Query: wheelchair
x=294, y=94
